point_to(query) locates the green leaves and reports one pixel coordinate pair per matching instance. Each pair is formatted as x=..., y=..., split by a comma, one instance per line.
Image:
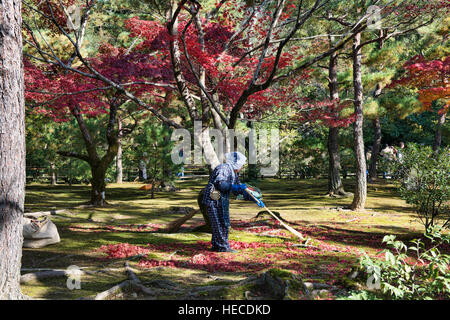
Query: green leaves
x=425, y=183
x=400, y=277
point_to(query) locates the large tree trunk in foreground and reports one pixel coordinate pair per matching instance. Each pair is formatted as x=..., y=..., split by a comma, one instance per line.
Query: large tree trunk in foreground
x=12, y=148
x=438, y=133
x=335, y=186
x=360, y=196
x=375, y=149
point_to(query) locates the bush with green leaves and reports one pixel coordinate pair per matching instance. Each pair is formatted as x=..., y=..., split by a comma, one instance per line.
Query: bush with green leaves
x=399, y=276
x=425, y=183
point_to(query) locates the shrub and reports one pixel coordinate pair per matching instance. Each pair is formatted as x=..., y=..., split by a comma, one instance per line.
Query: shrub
x=425, y=183
x=399, y=278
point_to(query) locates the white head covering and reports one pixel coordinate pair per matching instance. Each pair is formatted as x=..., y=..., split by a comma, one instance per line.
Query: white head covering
x=235, y=159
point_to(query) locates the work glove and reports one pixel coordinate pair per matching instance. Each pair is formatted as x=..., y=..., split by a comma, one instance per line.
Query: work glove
x=257, y=200
x=259, y=203
x=238, y=188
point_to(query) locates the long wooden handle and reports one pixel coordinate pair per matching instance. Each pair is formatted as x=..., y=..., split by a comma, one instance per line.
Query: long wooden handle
x=289, y=228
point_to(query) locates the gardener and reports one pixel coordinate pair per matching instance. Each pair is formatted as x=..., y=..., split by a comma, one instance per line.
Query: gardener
x=224, y=180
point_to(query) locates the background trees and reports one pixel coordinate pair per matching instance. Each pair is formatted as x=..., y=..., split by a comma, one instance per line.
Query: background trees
x=220, y=63
x=214, y=55
x=394, y=23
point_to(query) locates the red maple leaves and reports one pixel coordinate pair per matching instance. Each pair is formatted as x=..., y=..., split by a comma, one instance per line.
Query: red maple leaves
x=429, y=78
x=228, y=56
x=329, y=112
x=224, y=56
x=54, y=92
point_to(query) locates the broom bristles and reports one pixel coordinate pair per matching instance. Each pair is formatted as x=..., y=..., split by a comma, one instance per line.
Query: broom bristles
x=174, y=226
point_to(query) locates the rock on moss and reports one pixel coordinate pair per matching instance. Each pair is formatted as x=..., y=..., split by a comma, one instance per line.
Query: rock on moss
x=274, y=284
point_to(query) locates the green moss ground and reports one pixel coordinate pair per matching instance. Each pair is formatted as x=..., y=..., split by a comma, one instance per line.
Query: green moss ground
x=302, y=202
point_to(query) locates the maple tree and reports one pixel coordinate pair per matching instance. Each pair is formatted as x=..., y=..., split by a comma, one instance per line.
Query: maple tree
x=205, y=56
x=72, y=96
x=215, y=60
x=429, y=78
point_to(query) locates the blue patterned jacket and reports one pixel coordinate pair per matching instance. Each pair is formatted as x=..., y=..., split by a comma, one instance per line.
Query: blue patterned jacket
x=222, y=178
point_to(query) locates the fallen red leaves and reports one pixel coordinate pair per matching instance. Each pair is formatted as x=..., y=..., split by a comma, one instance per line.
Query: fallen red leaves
x=332, y=255
x=122, y=250
x=197, y=256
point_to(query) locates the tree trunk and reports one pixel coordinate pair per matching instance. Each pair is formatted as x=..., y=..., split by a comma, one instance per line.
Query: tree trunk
x=119, y=173
x=70, y=172
x=252, y=168
x=376, y=129
x=98, y=165
x=98, y=185
x=335, y=186
x=119, y=167
x=12, y=148
x=53, y=179
x=153, y=189
x=438, y=133
x=202, y=141
x=375, y=149
x=360, y=196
